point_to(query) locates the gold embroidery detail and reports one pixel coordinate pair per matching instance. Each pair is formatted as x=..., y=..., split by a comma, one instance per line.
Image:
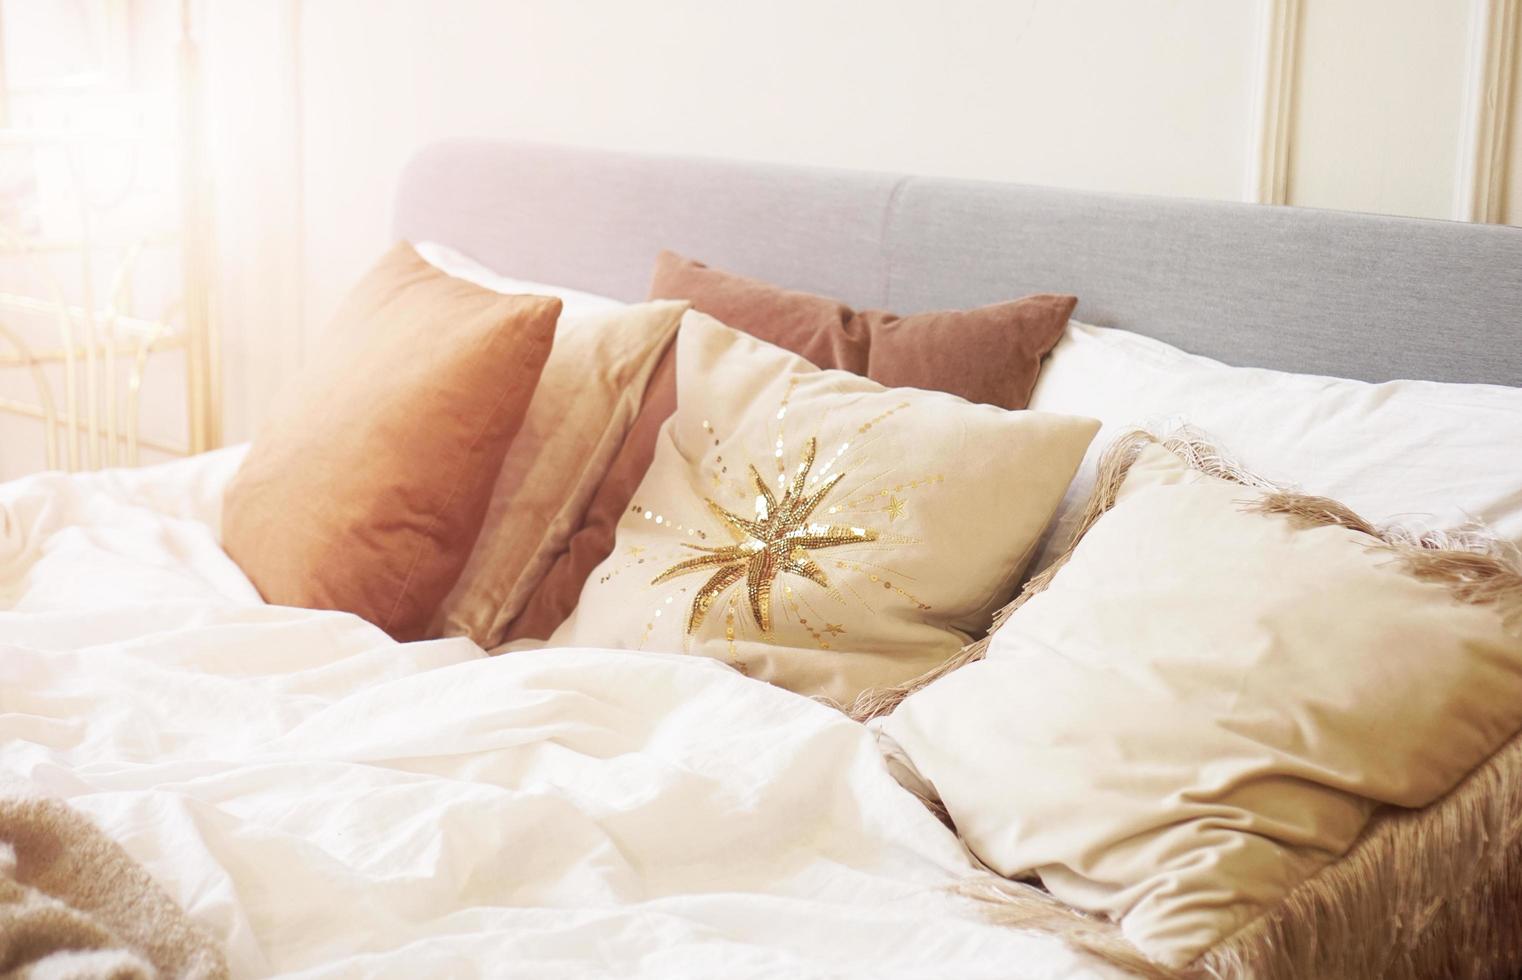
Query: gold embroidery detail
x=777, y=540
x=790, y=603
x=885, y=582
x=866, y=427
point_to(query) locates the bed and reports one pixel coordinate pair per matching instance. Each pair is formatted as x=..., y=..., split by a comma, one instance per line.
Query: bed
x=326, y=802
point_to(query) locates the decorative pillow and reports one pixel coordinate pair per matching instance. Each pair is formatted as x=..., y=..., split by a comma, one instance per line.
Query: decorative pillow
x=988, y=355
x=817, y=530
x=366, y=487
x=1421, y=453
x=586, y=400
x=1203, y=702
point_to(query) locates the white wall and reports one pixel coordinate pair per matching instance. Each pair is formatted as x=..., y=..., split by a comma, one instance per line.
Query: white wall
x=1153, y=96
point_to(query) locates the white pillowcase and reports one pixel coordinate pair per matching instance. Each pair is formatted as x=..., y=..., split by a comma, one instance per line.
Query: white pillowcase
x=1418, y=453
x=574, y=302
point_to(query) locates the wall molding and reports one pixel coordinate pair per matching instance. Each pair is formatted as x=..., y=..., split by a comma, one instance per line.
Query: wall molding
x=1484, y=127
x=1268, y=158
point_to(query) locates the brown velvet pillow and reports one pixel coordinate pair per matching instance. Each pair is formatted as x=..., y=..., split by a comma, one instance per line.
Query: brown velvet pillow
x=366, y=488
x=989, y=355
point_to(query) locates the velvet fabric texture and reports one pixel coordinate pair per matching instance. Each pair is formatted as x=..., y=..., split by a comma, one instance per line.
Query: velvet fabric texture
x=588, y=396
x=366, y=488
x=1200, y=706
x=990, y=355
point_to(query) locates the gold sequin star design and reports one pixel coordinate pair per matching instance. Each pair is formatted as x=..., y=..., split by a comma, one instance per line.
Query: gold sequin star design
x=777, y=541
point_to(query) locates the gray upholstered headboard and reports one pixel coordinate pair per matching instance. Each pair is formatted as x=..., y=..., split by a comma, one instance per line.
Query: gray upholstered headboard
x=1324, y=292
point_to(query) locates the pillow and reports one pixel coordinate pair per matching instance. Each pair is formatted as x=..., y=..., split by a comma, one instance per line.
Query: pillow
x=365, y=488
x=461, y=266
x=988, y=355
x=1419, y=453
x=1203, y=702
x=817, y=530
x=587, y=398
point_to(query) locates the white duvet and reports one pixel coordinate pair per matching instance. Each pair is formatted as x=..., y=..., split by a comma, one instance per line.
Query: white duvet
x=332, y=803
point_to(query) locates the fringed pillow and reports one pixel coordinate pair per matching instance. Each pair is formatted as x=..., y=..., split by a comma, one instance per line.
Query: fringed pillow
x=1204, y=701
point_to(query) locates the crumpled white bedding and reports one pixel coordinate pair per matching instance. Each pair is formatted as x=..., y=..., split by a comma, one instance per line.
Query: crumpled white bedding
x=336, y=804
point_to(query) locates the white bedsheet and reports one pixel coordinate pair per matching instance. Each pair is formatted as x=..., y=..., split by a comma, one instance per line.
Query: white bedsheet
x=336, y=804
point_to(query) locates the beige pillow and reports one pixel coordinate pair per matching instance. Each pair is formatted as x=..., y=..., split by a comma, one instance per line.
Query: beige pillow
x=818, y=530
x=587, y=398
x=1210, y=697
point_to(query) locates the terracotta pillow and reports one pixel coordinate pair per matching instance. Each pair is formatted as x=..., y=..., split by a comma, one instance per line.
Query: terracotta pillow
x=990, y=355
x=366, y=488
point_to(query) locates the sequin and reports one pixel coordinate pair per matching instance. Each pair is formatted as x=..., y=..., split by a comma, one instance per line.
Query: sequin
x=777, y=541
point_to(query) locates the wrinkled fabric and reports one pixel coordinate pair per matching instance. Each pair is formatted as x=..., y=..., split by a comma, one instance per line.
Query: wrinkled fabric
x=329, y=803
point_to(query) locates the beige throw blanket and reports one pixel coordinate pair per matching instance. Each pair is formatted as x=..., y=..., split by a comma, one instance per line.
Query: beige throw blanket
x=73, y=904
